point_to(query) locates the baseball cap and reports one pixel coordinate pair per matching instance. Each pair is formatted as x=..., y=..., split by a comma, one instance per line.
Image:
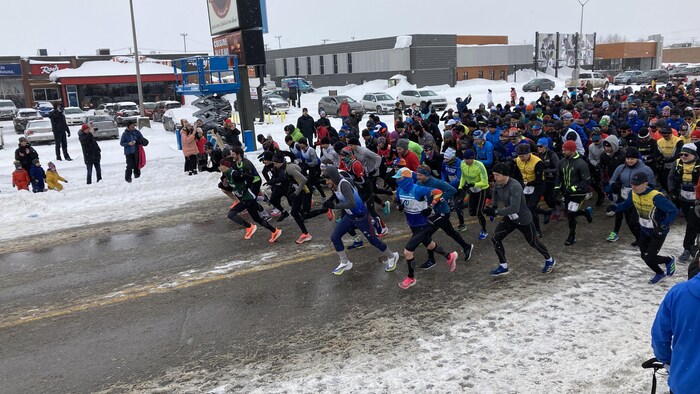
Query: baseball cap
x=638, y=178
x=403, y=173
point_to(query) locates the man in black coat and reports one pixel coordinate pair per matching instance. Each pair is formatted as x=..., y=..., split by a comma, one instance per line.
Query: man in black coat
x=25, y=154
x=92, y=153
x=60, y=129
x=305, y=124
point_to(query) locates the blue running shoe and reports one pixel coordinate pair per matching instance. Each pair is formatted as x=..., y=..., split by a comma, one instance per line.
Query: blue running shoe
x=548, y=265
x=483, y=234
x=671, y=266
x=500, y=271
x=589, y=214
x=387, y=208
x=656, y=279
x=356, y=245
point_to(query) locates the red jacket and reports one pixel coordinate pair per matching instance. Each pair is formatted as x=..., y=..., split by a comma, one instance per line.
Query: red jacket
x=200, y=145
x=412, y=161
x=321, y=133
x=21, y=179
x=344, y=109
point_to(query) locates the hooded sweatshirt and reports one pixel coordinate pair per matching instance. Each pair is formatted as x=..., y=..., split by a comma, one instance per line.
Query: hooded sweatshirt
x=608, y=163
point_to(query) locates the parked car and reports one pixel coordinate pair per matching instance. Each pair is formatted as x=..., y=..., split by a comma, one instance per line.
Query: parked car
x=105, y=109
x=300, y=83
x=284, y=93
x=24, y=115
x=598, y=80
x=681, y=74
x=162, y=107
x=646, y=77
x=39, y=131
x=44, y=107
x=104, y=125
x=8, y=110
x=331, y=105
x=625, y=77
x=273, y=104
x=409, y=97
x=74, y=115
x=538, y=84
x=171, y=119
x=378, y=102
x=148, y=108
x=125, y=111
x=2, y=139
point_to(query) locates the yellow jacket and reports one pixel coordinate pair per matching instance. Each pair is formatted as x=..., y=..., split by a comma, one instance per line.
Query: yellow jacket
x=52, y=178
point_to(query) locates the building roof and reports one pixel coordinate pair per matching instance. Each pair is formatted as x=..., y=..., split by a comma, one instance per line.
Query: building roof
x=110, y=68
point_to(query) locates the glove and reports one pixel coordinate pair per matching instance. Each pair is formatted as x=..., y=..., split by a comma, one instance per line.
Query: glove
x=489, y=210
x=66, y=181
x=329, y=203
x=68, y=132
x=427, y=212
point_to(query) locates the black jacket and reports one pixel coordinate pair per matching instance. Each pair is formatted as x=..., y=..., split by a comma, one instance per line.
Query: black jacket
x=58, y=122
x=91, y=150
x=25, y=156
x=305, y=124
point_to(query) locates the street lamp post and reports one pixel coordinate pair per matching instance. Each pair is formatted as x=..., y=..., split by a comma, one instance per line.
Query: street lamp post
x=139, y=86
x=577, y=69
x=184, y=40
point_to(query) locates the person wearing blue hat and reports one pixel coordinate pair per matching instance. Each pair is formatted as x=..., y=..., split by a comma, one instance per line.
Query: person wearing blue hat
x=483, y=149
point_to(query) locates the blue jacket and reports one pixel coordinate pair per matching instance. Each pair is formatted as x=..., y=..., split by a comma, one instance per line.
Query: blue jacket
x=635, y=123
x=414, y=199
x=484, y=153
x=452, y=173
x=128, y=136
x=664, y=215
x=675, y=335
x=493, y=137
x=581, y=133
x=447, y=193
x=37, y=176
x=675, y=124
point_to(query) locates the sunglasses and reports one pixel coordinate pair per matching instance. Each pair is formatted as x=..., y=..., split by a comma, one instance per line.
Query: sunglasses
x=428, y=148
x=684, y=154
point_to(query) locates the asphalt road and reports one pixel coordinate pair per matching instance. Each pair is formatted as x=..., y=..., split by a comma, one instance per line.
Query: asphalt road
x=107, y=307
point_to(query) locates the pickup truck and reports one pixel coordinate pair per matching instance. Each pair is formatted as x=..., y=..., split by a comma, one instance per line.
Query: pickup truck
x=597, y=79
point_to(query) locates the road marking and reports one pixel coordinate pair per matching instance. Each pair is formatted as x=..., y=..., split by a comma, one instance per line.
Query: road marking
x=186, y=279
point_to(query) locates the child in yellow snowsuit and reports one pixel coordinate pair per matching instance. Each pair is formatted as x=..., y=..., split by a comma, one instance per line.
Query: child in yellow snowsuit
x=52, y=178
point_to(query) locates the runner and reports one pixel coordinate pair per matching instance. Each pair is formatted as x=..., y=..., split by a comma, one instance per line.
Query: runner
x=516, y=216
x=475, y=180
x=572, y=180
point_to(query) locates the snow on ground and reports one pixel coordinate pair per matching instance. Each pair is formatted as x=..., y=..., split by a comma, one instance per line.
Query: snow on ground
x=164, y=185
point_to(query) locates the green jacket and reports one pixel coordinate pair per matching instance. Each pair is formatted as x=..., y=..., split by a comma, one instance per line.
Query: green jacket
x=297, y=135
x=238, y=183
x=474, y=174
x=415, y=147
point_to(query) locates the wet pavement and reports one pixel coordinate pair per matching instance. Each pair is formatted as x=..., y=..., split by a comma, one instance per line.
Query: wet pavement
x=110, y=311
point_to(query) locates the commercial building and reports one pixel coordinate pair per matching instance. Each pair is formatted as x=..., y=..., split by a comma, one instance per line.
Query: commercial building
x=620, y=56
x=682, y=54
x=425, y=59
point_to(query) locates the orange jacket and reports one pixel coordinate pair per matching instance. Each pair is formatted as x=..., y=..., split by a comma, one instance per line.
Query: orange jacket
x=20, y=179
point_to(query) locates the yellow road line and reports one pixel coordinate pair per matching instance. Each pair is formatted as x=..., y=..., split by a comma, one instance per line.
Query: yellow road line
x=31, y=316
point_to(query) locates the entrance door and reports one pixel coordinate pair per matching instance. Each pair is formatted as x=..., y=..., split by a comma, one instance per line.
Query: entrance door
x=72, y=92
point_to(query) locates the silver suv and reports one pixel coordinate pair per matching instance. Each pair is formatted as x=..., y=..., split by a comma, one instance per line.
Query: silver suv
x=409, y=97
x=8, y=110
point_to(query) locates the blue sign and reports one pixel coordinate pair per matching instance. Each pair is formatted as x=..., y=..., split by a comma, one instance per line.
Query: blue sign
x=10, y=70
x=263, y=12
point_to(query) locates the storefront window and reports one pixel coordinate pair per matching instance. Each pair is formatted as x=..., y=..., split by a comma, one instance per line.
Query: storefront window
x=12, y=89
x=45, y=94
x=94, y=95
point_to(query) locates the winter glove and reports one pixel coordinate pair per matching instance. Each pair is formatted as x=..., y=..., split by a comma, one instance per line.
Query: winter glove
x=329, y=203
x=489, y=210
x=68, y=132
x=65, y=181
x=426, y=212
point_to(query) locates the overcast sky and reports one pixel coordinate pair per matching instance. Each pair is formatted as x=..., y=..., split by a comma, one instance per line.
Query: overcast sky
x=79, y=27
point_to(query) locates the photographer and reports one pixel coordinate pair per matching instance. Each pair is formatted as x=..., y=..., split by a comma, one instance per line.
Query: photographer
x=92, y=154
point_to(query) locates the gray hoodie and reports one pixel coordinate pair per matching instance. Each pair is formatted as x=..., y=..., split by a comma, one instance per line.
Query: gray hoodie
x=513, y=199
x=596, y=151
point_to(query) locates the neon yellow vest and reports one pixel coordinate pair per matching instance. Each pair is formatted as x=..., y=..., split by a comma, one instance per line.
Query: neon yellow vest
x=527, y=168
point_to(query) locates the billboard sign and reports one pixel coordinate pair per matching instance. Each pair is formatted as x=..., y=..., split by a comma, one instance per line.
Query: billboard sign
x=11, y=70
x=46, y=69
x=586, y=45
x=567, y=50
x=223, y=16
x=547, y=50
x=229, y=44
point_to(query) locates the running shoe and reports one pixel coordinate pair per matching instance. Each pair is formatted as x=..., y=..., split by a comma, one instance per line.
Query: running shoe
x=391, y=262
x=570, y=240
x=588, y=196
x=483, y=234
x=452, y=261
x=671, y=266
x=250, y=231
x=462, y=228
x=330, y=215
x=684, y=257
x=548, y=265
x=407, y=282
x=342, y=267
x=547, y=217
x=612, y=237
x=589, y=214
x=377, y=225
x=384, y=232
x=468, y=252
x=275, y=234
x=610, y=211
x=283, y=216
x=500, y=271
x=275, y=212
x=304, y=238
x=656, y=279
x=387, y=208
x=554, y=215
x=428, y=264
x=635, y=243
x=356, y=245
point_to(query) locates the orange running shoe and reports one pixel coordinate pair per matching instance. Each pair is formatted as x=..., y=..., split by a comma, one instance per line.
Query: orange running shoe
x=276, y=234
x=250, y=231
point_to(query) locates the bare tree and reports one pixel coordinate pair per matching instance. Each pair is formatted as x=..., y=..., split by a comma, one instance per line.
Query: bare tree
x=610, y=38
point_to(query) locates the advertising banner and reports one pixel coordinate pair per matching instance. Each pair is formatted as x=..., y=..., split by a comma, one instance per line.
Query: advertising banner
x=567, y=50
x=546, y=50
x=46, y=69
x=223, y=16
x=11, y=70
x=586, y=47
x=229, y=44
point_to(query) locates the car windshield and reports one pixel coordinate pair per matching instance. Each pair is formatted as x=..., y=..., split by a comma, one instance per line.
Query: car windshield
x=128, y=107
x=27, y=114
x=427, y=93
x=149, y=105
x=274, y=97
x=341, y=98
x=99, y=119
x=173, y=105
x=70, y=111
x=39, y=124
x=384, y=97
x=6, y=104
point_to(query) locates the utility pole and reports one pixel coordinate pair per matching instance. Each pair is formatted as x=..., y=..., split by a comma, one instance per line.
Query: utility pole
x=279, y=41
x=184, y=40
x=577, y=68
x=139, y=86
x=353, y=38
x=324, y=40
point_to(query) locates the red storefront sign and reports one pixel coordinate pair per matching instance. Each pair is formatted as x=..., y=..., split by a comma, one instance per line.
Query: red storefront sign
x=46, y=69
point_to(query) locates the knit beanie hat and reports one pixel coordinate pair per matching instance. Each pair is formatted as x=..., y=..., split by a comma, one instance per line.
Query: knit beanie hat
x=690, y=148
x=569, y=145
x=402, y=143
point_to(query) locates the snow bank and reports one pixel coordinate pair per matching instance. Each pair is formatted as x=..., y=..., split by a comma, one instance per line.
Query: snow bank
x=403, y=42
x=110, y=68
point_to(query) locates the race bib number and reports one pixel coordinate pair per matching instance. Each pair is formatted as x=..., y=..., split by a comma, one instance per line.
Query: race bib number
x=529, y=189
x=573, y=206
x=646, y=223
x=513, y=216
x=688, y=195
x=625, y=192
x=475, y=189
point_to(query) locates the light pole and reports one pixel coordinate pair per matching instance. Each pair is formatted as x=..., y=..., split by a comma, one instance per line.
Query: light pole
x=139, y=87
x=184, y=40
x=577, y=69
x=279, y=41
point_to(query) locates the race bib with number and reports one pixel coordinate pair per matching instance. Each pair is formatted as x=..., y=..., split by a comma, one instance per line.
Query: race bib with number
x=529, y=189
x=646, y=223
x=475, y=189
x=513, y=216
x=688, y=195
x=625, y=192
x=573, y=206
